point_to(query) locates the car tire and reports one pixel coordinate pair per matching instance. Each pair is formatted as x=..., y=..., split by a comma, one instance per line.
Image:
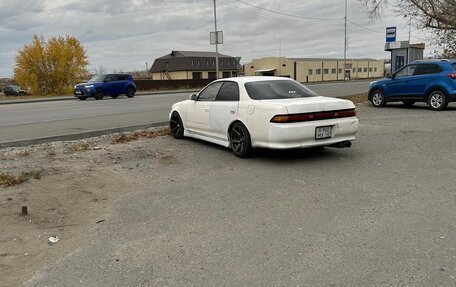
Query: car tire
x=378, y=99
x=98, y=94
x=408, y=104
x=176, y=126
x=437, y=100
x=131, y=92
x=114, y=96
x=83, y=98
x=240, y=142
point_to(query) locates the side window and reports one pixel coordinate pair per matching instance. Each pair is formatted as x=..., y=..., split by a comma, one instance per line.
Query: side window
x=228, y=92
x=406, y=71
x=210, y=92
x=426, y=69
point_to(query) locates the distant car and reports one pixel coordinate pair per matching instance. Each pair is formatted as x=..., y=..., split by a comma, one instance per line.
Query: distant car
x=430, y=81
x=270, y=112
x=106, y=85
x=13, y=90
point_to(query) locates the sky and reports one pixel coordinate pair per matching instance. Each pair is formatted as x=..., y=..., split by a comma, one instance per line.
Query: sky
x=124, y=35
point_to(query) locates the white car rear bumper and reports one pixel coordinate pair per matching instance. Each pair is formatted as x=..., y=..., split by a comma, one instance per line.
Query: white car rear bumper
x=302, y=134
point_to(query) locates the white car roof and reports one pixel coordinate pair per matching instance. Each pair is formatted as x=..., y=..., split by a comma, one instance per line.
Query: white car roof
x=243, y=80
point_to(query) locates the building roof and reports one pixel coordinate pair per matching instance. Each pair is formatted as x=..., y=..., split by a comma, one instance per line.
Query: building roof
x=193, y=54
x=194, y=61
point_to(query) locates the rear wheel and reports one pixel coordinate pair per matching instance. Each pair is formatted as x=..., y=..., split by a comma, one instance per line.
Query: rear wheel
x=437, y=101
x=83, y=98
x=98, y=94
x=176, y=126
x=240, y=140
x=378, y=99
x=408, y=104
x=131, y=92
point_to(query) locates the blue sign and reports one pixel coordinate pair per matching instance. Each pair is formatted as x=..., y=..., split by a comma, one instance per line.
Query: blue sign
x=390, y=34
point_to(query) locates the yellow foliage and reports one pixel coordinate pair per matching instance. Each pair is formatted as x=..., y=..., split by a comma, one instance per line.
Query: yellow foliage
x=52, y=67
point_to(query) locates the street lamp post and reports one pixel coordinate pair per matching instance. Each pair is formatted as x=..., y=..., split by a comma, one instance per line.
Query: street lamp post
x=216, y=42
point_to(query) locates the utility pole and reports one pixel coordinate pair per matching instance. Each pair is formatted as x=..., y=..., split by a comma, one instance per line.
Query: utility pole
x=216, y=42
x=345, y=41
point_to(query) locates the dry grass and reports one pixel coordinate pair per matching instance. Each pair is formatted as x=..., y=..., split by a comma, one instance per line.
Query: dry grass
x=23, y=153
x=356, y=99
x=10, y=180
x=128, y=137
x=79, y=147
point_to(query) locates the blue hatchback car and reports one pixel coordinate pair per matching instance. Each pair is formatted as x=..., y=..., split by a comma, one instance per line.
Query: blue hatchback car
x=106, y=85
x=430, y=81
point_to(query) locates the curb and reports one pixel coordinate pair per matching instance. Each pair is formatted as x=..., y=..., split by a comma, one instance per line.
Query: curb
x=66, y=98
x=78, y=136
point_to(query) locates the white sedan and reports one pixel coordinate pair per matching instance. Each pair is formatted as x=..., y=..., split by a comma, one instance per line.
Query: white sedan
x=269, y=112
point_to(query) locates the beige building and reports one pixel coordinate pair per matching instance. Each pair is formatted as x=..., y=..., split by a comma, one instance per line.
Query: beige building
x=315, y=70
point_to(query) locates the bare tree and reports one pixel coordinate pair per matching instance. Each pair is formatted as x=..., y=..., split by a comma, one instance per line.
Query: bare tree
x=436, y=15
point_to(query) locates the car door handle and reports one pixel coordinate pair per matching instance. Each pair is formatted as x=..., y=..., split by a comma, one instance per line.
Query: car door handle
x=206, y=109
x=232, y=112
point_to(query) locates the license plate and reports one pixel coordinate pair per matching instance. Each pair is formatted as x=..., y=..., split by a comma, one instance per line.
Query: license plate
x=323, y=132
x=78, y=93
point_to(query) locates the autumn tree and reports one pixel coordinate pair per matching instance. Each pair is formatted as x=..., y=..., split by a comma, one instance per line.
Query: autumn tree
x=436, y=15
x=52, y=67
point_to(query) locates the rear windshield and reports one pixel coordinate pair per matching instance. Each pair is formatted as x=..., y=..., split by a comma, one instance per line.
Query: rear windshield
x=277, y=89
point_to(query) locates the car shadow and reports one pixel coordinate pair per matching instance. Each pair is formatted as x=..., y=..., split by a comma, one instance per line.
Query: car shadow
x=417, y=106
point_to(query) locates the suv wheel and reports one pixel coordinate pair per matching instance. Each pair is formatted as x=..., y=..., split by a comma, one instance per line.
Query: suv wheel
x=98, y=94
x=83, y=98
x=437, y=101
x=378, y=99
x=131, y=92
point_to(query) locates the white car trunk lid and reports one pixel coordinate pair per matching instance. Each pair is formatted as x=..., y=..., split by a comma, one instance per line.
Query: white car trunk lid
x=312, y=104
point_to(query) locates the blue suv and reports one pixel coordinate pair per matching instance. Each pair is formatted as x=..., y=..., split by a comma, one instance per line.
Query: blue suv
x=430, y=81
x=106, y=85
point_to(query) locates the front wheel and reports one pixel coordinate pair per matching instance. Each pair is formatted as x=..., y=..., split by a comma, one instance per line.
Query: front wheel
x=114, y=96
x=240, y=140
x=131, y=92
x=98, y=95
x=378, y=99
x=176, y=126
x=83, y=98
x=437, y=101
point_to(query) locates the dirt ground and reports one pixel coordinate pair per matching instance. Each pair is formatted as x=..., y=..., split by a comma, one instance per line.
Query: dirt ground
x=72, y=189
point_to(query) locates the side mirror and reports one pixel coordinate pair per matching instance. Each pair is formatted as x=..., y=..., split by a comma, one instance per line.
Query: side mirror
x=193, y=97
x=391, y=76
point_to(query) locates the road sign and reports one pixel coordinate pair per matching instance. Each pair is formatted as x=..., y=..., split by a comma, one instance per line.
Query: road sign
x=390, y=34
x=216, y=37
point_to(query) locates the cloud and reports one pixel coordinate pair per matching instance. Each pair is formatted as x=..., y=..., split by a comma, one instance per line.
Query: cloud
x=124, y=35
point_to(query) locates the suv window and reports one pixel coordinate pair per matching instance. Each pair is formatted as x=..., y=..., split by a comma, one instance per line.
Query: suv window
x=425, y=69
x=210, y=92
x=228, y=92
x=454, y=66
x=406, y=71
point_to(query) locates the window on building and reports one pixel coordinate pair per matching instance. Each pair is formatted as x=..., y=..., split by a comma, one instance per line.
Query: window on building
x=310, y=72
x=211, y=75
x=340, y=70
x=318, y=71
x=365, y=70
x=252, y=67
x=354, y=70
x=197, y=75
x=193, y=63
x=167, y=64
x=198, y=63
x=333, y=71
x=207, y=62
x=226, y=74
x=360, y=70
x=284, y=65
x=221, y=63
x=375, y=69
x=325, y=71
x=370, y=69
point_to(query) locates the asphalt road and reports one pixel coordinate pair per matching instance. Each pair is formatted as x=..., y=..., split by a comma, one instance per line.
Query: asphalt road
x=50, y=119
x=381, y=213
